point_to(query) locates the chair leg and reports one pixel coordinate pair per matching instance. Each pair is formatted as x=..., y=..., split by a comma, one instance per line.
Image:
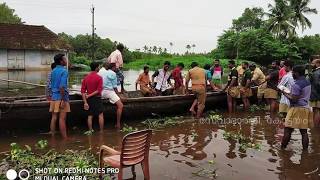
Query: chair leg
x=101, y=164
x=145, y=169
x=120, y=174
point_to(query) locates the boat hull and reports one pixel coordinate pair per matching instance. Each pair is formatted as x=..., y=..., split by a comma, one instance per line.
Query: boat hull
x=20, y=115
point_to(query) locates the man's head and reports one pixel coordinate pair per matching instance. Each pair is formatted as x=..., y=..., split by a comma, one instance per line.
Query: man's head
x=94, y=66
x=166, y=65
x=315, y=63
x=53, y=65
x=275, y=64
x=231, y=64
x=194, y=64
x=60, y=59
x=252, y=67
x=216, y=62
x=180, y=66
x=120, y=47
x=206, y=67
x=146, y=69
x=105, y=65
x=288, y=65
x=282, y=63
x=298, y=71
x=245, y=65
x=112, y=66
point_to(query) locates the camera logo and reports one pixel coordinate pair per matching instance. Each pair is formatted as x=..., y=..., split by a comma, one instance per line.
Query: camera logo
x=23, y=174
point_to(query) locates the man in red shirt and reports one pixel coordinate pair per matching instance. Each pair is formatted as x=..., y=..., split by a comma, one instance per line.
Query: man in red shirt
x=178, y=80
x=282, y=71
x=91, y=94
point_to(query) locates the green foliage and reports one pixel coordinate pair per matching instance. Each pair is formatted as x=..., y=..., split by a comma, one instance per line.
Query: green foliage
x=252, y=18
x=7, y=15
x=162, y=122
x=89, y=132
x=244, y=142
x=256, y=45
x=25, y=158
x=128, y=129
x=42, y=144
x=156, y=62
x=80, y=60
x=308, y=46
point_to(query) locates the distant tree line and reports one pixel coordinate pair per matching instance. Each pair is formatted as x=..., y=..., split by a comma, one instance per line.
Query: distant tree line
x=265, y=36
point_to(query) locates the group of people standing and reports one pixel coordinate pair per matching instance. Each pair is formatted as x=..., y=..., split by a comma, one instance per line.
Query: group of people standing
x=99, y=83
x=285, y=88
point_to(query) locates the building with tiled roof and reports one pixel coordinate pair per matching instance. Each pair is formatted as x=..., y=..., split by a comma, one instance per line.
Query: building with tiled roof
x=28, y=47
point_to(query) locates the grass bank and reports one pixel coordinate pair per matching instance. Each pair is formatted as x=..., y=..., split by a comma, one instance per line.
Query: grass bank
x=157, y=62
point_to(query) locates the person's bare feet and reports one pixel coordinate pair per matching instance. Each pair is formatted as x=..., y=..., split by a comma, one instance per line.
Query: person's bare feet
x=193, y=112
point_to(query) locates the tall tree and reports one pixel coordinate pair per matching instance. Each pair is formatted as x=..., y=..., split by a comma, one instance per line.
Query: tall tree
x=155, y=49
x=280, y=21
x=188, y=48
x=251, y=18
x=193, y=47
x=159, y=50
x=171, y=44
x=145, y=48
x=7, y=15
x=300, y=9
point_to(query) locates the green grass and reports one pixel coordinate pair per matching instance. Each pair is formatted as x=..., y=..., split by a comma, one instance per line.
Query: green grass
x=157, y=62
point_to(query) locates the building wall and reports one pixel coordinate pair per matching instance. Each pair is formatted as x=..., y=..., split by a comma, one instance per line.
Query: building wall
x=3, y=59
x=33, y=59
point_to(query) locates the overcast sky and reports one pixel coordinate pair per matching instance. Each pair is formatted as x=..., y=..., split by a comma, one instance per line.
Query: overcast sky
x=145, y=22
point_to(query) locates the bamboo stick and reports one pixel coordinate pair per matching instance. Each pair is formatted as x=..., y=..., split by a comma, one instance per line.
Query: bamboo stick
x=22, y=82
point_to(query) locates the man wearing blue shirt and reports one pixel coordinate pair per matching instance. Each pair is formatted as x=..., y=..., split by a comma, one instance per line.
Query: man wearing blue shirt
x=60, y=94
x=110, y=90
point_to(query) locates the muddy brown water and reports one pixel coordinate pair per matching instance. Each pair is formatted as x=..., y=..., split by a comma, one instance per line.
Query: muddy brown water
x=180, y=151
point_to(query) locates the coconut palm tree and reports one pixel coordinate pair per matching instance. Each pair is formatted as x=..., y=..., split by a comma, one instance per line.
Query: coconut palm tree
x=159, y=50
x=155, y=49
x=193, y=46
x=188, y=48
x=171, y=44
x=165, y=50
x=300, y=9
x=145, y=48
x=280, y=19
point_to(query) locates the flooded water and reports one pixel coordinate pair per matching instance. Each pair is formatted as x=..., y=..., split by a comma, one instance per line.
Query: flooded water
x=194, y=147
x=40, y=77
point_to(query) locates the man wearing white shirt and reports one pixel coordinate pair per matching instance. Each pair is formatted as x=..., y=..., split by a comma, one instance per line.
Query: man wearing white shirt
x=116, y=57
x=286, y=82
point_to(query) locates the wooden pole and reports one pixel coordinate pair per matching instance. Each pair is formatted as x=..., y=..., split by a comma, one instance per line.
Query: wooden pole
x=22, y=82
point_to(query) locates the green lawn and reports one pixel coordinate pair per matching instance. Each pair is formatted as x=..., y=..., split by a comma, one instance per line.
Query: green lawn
x=157, y=62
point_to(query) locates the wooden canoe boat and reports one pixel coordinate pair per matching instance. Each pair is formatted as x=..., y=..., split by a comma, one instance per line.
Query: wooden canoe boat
x=27, y=112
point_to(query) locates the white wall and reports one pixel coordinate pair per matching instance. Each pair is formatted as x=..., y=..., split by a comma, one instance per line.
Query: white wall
x=3, y=59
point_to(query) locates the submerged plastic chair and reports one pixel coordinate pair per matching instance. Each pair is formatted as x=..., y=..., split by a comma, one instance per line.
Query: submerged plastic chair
x=134, y=150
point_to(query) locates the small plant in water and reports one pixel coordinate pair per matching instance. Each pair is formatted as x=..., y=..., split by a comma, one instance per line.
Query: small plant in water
x=254, y=108
x=158, y=123
x=42, y=144
x=89, y=132
x=25, y=158
x=128, y=129
x=244, y=142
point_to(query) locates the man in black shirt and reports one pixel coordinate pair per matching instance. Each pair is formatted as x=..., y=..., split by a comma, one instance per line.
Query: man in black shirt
x=271, y=93
x=245, y=90
x=232, y=86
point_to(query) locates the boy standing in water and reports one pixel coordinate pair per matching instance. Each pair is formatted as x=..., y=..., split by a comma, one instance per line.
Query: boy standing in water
x=91, y=94
x=299, y=114
x=232, y=87
x=60, y=94
x=217, y=72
